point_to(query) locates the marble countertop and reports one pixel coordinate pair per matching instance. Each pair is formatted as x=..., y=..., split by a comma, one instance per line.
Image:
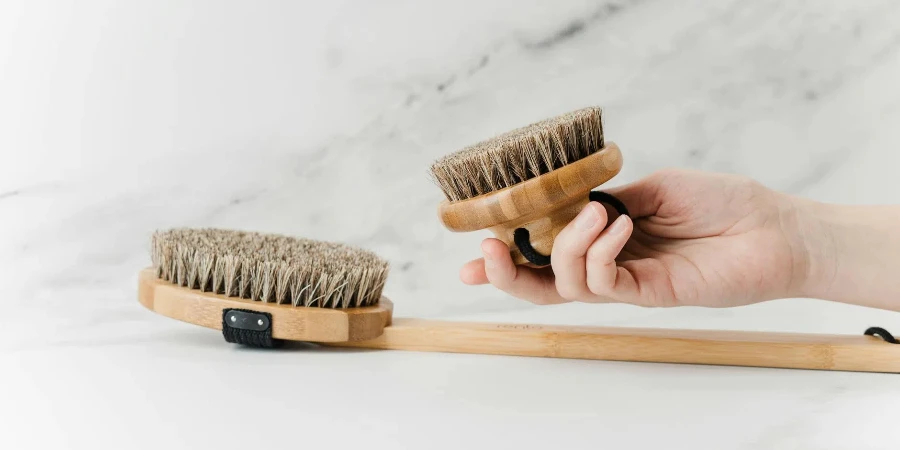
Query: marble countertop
x=319, y=119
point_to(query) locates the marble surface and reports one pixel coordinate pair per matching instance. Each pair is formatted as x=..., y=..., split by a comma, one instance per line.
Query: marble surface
x=319, y=119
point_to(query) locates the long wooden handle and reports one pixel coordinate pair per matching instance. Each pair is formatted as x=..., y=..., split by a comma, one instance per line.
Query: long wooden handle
x=732, y=348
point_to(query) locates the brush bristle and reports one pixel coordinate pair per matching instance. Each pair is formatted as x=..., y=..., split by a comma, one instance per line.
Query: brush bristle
x=269, y=268
x=519, y=155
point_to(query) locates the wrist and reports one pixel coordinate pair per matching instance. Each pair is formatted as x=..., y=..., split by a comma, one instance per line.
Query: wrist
x=849, y=253
x=814, y=246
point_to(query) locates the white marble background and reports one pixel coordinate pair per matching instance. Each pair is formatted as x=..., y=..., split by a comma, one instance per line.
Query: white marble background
x=320, y=118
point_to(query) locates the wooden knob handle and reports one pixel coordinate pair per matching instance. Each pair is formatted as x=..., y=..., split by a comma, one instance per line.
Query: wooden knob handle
x=541, y=205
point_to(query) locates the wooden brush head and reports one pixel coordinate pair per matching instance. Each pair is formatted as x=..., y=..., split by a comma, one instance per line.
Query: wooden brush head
x=535, y=178
x=316, y=291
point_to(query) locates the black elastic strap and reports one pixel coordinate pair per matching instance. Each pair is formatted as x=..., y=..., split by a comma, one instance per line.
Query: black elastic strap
x=609, y=199
x=522, y=237
x=882, y=333
x=250, y=328
x=523, y=241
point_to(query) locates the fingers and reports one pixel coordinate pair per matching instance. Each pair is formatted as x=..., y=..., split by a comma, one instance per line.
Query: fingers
x=584, y=256
x=570, y=249
x=583, y=262
x=497, y=268
x=518, y=281
x=472, y=272
x=604, y=278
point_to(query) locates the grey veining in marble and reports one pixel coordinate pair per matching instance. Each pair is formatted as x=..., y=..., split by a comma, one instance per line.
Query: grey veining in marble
x=320, y=119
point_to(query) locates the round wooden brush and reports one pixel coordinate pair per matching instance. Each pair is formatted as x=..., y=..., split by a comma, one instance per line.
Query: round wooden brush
x=527, y=184
x=244, y=283
x=264, y=289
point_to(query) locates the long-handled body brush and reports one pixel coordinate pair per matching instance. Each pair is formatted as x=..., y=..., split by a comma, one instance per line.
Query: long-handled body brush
x=263, y=289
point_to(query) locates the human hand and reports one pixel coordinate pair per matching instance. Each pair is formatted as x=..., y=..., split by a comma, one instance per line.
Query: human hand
x=697, y=239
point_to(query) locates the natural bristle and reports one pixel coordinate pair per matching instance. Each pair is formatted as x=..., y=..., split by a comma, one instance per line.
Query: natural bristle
x=519, y=155
x=269, y=268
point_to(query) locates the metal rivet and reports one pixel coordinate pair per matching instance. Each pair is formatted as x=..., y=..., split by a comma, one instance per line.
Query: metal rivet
x=233, y=319
x=260, y=322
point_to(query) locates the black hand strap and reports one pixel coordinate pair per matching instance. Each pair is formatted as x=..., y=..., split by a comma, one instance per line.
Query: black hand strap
x=522, y=237
x=882, y=333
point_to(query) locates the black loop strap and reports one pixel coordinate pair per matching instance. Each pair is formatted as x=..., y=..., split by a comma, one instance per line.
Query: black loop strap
x=523, y=241
x=522, y=237
x=609, y=199
x=250, y=328
x=882, y=333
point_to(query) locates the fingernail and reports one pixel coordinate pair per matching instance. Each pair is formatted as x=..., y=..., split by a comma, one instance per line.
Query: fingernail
x=619, y=225
x=587, y=218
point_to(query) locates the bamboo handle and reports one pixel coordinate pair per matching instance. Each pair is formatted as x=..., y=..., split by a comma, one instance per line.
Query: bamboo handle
x=731, y=348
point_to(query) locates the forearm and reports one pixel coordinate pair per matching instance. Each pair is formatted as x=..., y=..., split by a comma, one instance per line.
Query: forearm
x=853, y=254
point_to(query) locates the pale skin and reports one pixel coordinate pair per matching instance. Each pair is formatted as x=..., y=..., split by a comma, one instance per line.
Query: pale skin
x=714, y=240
